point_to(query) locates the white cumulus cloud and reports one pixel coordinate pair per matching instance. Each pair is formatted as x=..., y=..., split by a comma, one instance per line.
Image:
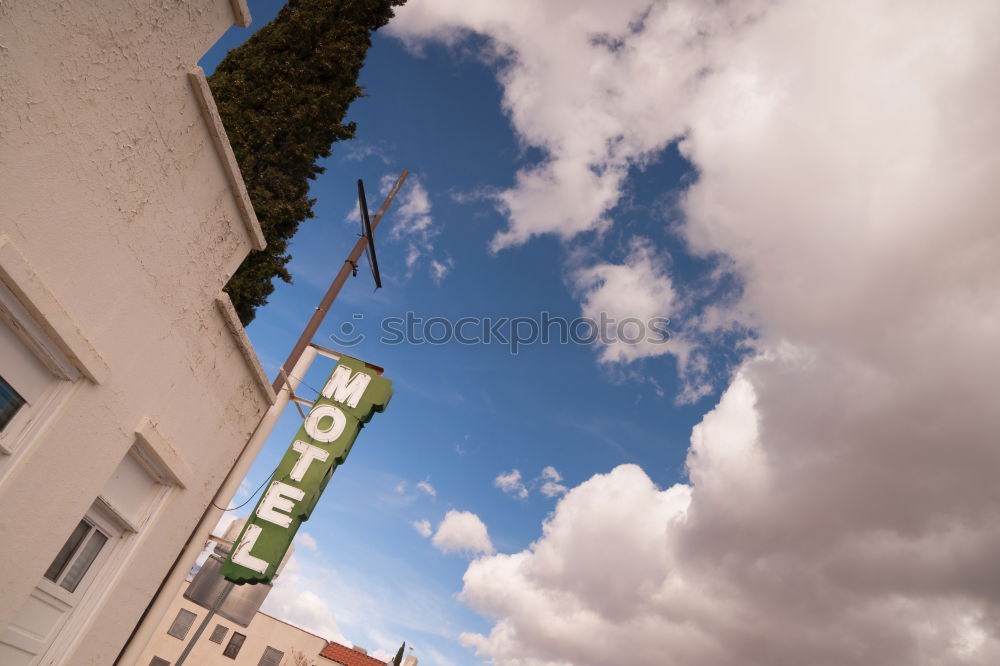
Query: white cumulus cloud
x=551, y=481
x=463, y=532
x=632, y=304
x=293, y=600
x=842, y=506
x=414, y=225
x=426, y=488
x=423, y=527
x=306, y=540
x=510, y=482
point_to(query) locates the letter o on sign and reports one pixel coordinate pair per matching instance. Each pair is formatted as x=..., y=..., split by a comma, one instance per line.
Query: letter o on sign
x=336, y=427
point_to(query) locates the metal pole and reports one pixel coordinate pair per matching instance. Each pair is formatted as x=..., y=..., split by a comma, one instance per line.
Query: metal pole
x=226, y=589
x=335, y=286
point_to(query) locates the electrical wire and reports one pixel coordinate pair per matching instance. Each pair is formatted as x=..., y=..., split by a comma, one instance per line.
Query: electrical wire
x=302, y=382
x=254, y=494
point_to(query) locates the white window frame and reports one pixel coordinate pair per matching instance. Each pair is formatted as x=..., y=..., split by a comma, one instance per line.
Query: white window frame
x=35, y=316
x=104, y=523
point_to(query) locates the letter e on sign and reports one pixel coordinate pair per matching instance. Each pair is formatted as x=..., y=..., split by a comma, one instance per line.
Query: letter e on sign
x=279, y=497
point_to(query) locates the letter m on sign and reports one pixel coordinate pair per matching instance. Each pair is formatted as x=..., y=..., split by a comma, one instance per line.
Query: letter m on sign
x=346, y=387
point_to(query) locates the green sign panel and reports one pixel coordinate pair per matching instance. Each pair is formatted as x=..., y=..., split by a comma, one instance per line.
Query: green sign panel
x=349, y=398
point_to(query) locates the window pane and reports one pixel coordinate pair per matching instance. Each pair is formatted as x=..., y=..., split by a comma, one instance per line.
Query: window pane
x=10, y=402
x=83, y=561
x=182, y=624
x=159, y=661
x=235, y=643
x=271, y=657
x=74, y=541
x=218, y=634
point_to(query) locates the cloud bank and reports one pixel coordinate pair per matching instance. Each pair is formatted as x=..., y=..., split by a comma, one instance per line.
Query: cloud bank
x=841, y=507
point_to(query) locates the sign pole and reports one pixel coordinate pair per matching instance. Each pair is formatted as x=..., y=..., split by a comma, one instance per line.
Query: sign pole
x=226, y=589
x=347, y=269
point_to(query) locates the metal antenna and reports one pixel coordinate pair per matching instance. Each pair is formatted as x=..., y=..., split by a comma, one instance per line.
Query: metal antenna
x=366, y=230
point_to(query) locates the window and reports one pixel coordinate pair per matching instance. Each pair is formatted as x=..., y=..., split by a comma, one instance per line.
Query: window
x=76, y=556
x=10, y=402
x=235, y=643
x=271, y=657
x=218, y=634
x=182, y=624
x=37, y=375
x=159, y=661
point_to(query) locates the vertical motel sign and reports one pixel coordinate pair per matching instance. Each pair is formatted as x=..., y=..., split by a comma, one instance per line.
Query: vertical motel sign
x=351, y=395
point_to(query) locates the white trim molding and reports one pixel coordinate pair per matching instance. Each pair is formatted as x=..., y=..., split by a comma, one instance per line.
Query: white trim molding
x=241, y=13
x=41, y=305
x=228, y=312
x=158, y=457
x=211, y=115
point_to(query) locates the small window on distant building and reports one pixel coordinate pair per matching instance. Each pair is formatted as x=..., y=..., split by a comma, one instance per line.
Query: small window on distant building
x=271, y=657
x=235, y=643
x=218, y=634
x=159, y=661
x=10, y=402
x=182, y=624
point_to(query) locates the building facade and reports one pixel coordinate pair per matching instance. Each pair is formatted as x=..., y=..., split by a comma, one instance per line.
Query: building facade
x=127, y=385
x=265, y=641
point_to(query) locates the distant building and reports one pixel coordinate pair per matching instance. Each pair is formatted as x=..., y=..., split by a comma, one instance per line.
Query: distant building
x=127, y=385
x=266, y=641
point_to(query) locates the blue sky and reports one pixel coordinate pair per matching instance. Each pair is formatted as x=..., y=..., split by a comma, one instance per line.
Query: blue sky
x=462, y=414
x=755, y=188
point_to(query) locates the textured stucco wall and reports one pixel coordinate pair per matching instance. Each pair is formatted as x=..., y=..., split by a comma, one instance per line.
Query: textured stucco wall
x=112, y=190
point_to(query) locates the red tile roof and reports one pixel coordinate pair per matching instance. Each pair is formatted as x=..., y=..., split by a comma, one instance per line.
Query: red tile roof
x=347, y=656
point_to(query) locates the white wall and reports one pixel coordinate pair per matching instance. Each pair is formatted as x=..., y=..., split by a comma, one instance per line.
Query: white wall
x=119, y=225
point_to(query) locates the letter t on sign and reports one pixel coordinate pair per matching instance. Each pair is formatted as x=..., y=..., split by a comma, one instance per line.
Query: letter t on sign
x=307, y=454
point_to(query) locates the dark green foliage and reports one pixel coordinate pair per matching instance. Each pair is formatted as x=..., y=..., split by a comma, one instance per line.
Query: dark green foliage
x=282, y=96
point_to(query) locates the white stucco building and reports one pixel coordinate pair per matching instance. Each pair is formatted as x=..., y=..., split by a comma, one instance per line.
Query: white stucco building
x=128, y=386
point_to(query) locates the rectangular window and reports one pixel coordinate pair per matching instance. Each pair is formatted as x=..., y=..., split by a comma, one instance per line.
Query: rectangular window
x=10, y=402
x=159, y=661
x=235, y=643
x=76, y=556
x=182, y=624
x=218, y=634
x=271, y=657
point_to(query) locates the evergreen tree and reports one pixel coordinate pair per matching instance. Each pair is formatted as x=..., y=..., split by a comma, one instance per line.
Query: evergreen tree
x=282, y=96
